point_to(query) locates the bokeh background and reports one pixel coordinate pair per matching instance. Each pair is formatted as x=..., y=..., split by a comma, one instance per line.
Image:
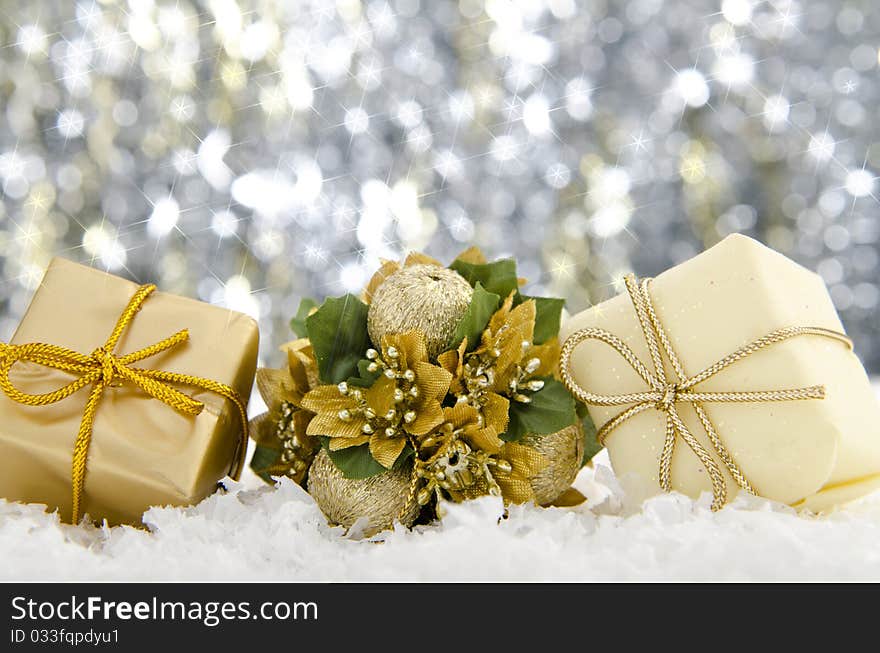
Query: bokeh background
x=250, y=153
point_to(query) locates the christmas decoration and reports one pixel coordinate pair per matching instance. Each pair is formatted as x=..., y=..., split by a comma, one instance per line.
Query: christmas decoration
x=426, y=298
x=152, y=444
x=283, y=448
x=379, y=500
x=401, y=431
x=401, y=403
x=564, y=452
x=746, y=365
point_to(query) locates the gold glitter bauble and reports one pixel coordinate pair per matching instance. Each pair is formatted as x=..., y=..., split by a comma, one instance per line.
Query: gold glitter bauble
x=564, y=451
x=343, y=501
x=429, y=298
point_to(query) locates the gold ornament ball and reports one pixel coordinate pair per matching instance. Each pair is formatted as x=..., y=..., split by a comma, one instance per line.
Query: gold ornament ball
x=343, y=501
x=564, y=451
x=425, y=297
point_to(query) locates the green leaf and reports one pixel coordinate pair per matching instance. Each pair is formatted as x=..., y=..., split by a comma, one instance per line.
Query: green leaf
x=483, y=305
x=338, y=332
x=591, y=444
x=357, y=463
x=407, y=453
x=365, y=378
x=548, y=312
x=353, y=462
x=551, y=409
x=298, y=324
x=498, y=277
x=264, y=460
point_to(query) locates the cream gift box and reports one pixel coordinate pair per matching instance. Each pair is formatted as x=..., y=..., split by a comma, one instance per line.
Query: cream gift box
x=814, y=453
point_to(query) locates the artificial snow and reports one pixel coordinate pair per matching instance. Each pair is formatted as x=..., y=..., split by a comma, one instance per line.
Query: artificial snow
x=256, y=532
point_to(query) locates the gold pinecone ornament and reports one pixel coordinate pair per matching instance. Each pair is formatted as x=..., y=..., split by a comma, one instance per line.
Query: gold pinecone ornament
x=564, y=451
x=383, y=499
x=424, y=297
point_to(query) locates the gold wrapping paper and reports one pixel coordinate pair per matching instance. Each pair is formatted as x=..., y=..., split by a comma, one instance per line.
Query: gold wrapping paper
x=143, y=452
x=815, y=453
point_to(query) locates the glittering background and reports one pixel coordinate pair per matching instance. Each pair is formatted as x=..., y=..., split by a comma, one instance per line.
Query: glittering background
x=250, y=153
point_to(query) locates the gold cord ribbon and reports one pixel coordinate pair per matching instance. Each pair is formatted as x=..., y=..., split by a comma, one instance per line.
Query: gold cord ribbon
x=664, y=394
x=101, y=369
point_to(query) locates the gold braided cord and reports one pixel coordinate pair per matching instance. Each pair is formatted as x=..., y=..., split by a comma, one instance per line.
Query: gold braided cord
x=100, y=370
x=663, y=395
x=413, y=486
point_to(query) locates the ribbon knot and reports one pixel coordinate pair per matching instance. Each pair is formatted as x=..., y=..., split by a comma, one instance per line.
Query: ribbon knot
x=100, y=369
x=108, y=363
x=664, y=395
x=668, y=398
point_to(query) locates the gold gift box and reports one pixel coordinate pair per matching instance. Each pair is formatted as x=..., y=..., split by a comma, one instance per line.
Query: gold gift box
x=143, y=452
x=816, y=453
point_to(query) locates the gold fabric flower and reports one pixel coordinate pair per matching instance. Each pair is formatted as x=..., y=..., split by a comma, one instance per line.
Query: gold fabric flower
x=467, y=459
x=472, y=387
x=506, y=325
x=404, y=402
x=506, y=336
x=463, y=422
x=525, y=463
x=280, y=433
x=503, y=366
x=472, y=254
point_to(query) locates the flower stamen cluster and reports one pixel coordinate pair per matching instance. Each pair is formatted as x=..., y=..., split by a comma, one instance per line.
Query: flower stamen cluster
x=405, y=395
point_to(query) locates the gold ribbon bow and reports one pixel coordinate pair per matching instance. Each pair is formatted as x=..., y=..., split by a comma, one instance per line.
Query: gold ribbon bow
x=100, y=369
x=665, y=394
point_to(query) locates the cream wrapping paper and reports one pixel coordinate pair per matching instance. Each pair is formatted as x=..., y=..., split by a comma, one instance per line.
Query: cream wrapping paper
x=814, y=454
x=143, y=452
